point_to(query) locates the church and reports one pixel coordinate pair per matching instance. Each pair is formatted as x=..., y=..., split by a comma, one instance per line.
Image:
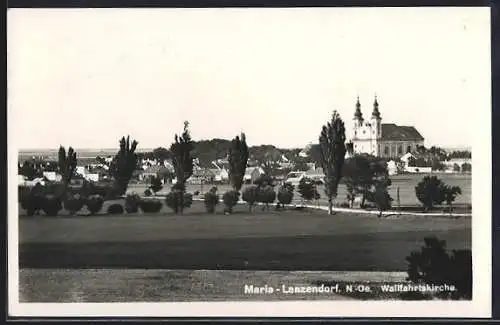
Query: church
x=385, y=140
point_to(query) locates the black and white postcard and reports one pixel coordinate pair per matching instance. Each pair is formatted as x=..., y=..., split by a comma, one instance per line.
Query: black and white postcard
x=287, y=162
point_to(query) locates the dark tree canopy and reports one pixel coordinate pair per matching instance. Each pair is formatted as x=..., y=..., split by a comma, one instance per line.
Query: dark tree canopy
x=182, y=155
x=123, y=165
x=238, y=160
x=67, y=164
x=362, y=172
x=332, y=154
x=182, y=160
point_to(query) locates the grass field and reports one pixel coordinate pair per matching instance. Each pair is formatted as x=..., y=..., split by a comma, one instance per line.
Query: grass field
x=406, y=184
x=286, y=240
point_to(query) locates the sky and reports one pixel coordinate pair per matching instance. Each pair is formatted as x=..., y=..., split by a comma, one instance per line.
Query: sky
x=86, y=77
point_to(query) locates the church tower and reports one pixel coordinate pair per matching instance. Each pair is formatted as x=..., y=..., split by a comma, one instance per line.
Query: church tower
x=358, y=120
x=376, y=121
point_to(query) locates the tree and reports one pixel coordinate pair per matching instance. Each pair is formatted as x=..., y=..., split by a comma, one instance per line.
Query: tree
x=412, y=162
x=450, y=194
x=161, y=154
x=211, y=200
x=456, y=167
x=238, y=159
x=123, y=165
x=251, y=195
x=29, y=170
x=466, y=167
x=381, y=198
x=67, y=165
x=156, y=184
x=301, y=166
x=264, y=180
x=434, y=266
x=285, y=194
x=430, y=191
x=183, y=162
x=332, y=154
x=266, y=195
x=307, y=189
x=437, y=165
x=230, y=199
x=361, y=173
x=460, y=154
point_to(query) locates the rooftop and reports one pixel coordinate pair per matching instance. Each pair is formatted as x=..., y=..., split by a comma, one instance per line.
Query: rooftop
x=392, y=131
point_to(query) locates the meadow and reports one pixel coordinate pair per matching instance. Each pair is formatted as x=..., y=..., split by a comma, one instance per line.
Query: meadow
x=405, y=183
x=262, y=240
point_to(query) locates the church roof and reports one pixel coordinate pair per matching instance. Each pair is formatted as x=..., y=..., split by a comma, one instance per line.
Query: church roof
x=397, y=133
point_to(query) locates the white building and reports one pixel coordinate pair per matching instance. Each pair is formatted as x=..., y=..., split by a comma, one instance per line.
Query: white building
x=52, y=176
x=392, y=168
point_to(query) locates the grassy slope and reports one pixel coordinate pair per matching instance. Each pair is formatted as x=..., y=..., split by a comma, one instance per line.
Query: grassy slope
x=300, y=240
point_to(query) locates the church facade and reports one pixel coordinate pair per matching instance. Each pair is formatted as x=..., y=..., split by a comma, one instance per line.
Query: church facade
x=385, y=140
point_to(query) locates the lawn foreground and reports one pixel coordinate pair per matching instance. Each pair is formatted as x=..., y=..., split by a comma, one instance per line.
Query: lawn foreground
x=262, y=240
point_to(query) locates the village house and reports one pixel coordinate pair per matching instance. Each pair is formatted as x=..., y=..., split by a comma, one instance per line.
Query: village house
x=153, y=171
x=252, y=174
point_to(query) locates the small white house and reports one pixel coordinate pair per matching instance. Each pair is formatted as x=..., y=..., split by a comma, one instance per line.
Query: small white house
x=91, y=177
x=252, y=173
x=406, y=157
x=392, y=167
x=52, y=176
x=80, y=170
x=221, y=175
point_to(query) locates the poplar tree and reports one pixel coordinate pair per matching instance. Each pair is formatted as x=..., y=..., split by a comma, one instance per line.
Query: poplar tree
x=182, y=161
x=123, y=165
x=332, y=154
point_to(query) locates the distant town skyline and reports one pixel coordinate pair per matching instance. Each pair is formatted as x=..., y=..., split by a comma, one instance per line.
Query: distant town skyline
x=85, y=78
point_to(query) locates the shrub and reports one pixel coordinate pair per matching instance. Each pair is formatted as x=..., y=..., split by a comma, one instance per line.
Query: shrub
x=188, y=200
x=173, y=200
x=345, y=205
x=434, y=266
x=307, y=189
x=150, y=205
x=89, y=188
x=22, y=193
x=450, y=194
x=51, y=205
x=94, y=203
x=148, y=192
x=115, y=209
x=380, y=198
x=466, y=167
x=156, y=184
x=251, y=195
x=430, y=191
x=264, y=180
x=55, y=189
x=31, y=199
x=74, y=203
x=230, y=199
x=211, y=200
x=285, y=194
x=132, y=203
x=266, y=195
